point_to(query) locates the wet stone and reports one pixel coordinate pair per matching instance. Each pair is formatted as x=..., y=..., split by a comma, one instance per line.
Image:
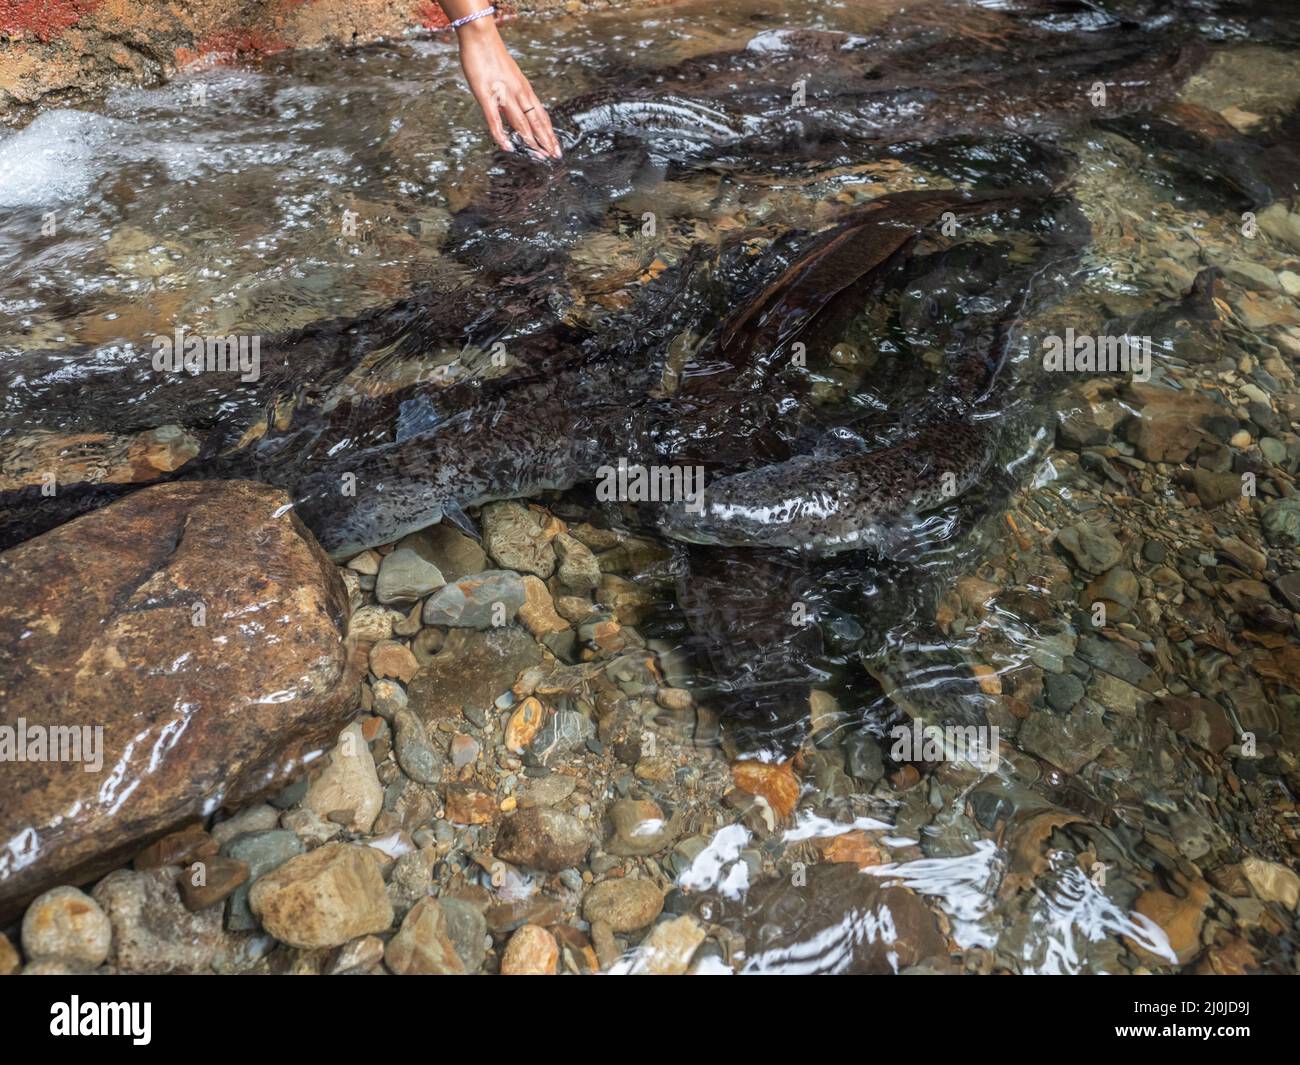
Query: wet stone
x=563, y=732
x=515, y=536
x=1068, y=742
x=438, y=937
x=1063, y=691
x=261, y=852
x=408, y=572
x=348, y=781
x=1288, y=587
x=177, y=848
x=839, y=922
x=455, y=554
x=414, y=754
x=1093, y=548
x=863, y=759
x=479, y=601
x=542, y=838
x=578, y=568
x=153, y=932
x=532, y=951
x=639, y=828
x=388, y=698
x=1281, y=522
x=260, y=818
x=471, y=671
x=624, y=904
x=210, y=881
x=324, y=898
x=550, y=790
x=66, y=923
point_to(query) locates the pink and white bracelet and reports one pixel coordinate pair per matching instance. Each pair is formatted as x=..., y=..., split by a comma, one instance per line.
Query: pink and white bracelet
x=491, y=10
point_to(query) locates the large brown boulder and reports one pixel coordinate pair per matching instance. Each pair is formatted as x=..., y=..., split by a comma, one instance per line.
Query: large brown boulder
x=201, y=628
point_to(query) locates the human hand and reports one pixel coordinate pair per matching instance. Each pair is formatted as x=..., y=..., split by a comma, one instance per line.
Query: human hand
x=500, y=88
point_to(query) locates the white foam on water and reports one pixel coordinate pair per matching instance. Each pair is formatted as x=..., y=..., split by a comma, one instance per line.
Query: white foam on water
x=963, y=885
x=1075, y=911
x=719, y=865
x=57, y=158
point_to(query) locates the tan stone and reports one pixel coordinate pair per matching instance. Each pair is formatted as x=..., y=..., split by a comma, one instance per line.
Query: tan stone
x=348, y=781
x=538, y=611
x=532, y=951
x=323, y=898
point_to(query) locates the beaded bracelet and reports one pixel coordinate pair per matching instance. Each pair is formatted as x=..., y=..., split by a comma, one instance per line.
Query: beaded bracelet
x=471, y=18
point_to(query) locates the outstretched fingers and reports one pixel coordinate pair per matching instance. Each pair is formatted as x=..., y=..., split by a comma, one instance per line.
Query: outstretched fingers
x=540, y=123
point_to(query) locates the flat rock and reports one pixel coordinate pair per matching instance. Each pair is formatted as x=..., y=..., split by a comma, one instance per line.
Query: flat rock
x=472, y=670
x=1093, y=547
x=324, y=898
x=840, y=921
x=668, y=949
x=1202, y=721
x=409, y=572
x=455, y=554
x=1170, y=424
x=563, y=733
x=1068, y=741
x=478, y=601
x=99, y=626
x=1272, y=883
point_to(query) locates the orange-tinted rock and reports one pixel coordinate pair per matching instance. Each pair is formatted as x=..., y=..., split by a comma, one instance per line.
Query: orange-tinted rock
x=388, y=658
x=1170, y=424
x=207, y=882
x=97, y=458
x=538, y=611
x=469, y=806
x=854, y=847
x=1180, y=918
x=199, y=628
x=10, y=962
x=774, y=782
x=323, y=898
x=532, y=951
x=524, y=724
